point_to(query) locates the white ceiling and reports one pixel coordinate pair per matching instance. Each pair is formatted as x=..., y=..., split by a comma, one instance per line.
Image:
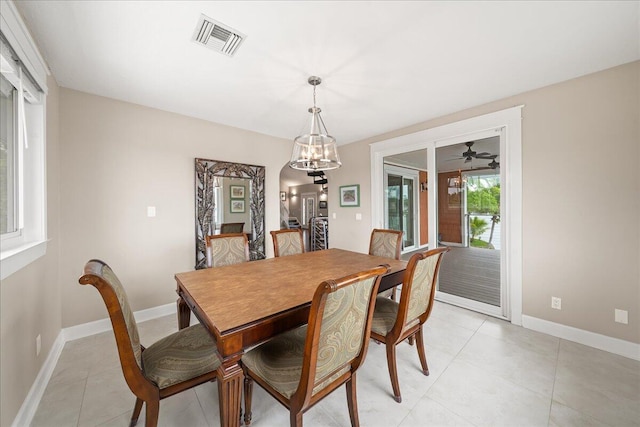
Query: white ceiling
x=385, y=64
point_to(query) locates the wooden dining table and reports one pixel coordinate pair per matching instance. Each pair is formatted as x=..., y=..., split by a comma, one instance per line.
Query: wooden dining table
x=244, y=304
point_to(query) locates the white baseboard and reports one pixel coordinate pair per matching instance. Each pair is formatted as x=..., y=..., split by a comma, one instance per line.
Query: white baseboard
x=102, y=325
x=31, y=402
x=591, y=339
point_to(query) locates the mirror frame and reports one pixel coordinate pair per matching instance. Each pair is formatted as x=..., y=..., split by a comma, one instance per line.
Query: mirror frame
x=206, y=170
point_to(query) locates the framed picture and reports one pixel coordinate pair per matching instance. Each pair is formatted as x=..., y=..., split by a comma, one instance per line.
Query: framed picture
x=350, y=195
x=322, y=204
x=237, y=192
x=283, y=196
x=237, y=206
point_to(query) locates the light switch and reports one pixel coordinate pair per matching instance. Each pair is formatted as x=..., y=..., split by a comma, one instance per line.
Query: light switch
x=151, y=211
x=358, y=217
x=333, y=215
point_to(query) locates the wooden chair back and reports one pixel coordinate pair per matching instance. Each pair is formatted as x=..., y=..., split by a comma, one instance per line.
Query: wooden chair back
x=337, y=333
x=227, y=249
x=287, y=242
x=100, y=275
x=386, y=243
x=231, y=227
x=418, y=288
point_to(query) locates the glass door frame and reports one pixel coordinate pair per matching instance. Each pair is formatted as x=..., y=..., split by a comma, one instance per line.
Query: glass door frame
x=509, y=122
x=404, y=173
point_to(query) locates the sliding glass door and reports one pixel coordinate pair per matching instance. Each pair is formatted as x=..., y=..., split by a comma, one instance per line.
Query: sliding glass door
x=456, y=152
x=400, y=203
x=469, y=215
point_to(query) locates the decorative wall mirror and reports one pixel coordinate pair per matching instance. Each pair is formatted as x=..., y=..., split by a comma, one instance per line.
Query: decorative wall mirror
x=229, y=193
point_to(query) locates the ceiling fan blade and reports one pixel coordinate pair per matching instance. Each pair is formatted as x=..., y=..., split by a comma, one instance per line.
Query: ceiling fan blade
x=487, y=156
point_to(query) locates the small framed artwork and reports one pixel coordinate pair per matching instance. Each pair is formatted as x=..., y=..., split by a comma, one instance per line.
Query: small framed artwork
x=322, y=204
x=237, y=192
x=283, y=196
x=237, y=206
x=350, y=195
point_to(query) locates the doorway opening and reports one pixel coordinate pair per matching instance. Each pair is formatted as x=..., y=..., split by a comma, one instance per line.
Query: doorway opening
x=469, y=215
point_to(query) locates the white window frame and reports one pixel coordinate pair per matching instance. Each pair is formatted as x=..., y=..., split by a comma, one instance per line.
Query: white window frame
x=30, y=243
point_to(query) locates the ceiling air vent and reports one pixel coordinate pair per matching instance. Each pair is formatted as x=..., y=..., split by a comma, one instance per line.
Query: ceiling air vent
x=217, y=36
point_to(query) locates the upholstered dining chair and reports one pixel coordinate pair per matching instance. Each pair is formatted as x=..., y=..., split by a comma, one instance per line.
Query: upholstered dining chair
x=302, y=366
x=386, y=243
x=231, y=227
x=393, y=322
x=171, y=365
x=227, y=249
x=287, y=242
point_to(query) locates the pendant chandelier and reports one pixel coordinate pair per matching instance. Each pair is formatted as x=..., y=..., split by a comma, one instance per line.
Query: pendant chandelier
x=317, y=150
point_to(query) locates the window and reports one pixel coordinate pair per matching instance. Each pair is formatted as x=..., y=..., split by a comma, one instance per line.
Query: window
x=22, y=146
x=8, y=223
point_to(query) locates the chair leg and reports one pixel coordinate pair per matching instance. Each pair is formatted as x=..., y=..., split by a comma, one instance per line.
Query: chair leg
x=295, y=419
x=393, y=371
x=352, y=401
x=151, y=413
x=421, y=353
x=393, y=293
x=248, y=395
x=136, y=412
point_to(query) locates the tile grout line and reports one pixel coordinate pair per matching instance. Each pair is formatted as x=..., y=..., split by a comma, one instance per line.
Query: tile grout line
x=555, y=377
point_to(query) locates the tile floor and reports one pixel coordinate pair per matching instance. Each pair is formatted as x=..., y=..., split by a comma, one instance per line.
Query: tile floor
x=484, y=372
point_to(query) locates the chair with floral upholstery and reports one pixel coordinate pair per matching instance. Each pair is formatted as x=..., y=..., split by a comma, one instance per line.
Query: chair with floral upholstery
x=287, y=242
x=227, y=249
x=393, y=322
x=302, y=366
x=386, y=243
x=171, y=365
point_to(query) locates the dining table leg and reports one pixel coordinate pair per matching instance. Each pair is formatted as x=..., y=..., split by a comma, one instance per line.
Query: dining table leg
x=230, y=379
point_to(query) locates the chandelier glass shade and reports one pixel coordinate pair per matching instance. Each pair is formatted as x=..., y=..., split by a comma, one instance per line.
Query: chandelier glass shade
x=316, y=150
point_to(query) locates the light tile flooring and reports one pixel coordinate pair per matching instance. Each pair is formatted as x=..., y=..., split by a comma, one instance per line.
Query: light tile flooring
x=484, y=372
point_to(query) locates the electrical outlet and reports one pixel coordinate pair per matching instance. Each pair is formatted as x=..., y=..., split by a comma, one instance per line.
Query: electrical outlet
x=151, y=211
x=556, y=303
x=38, y=345
x=622, y=316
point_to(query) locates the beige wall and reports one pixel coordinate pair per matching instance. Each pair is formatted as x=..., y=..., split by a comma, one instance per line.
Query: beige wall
x=30, y=298
x=118, y=158
x=581, y=198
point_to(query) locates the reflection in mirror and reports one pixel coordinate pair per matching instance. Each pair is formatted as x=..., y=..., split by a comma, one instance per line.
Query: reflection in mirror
x=229, y=193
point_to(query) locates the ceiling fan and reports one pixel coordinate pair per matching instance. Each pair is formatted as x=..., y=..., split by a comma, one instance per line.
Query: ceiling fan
x=470, y=154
